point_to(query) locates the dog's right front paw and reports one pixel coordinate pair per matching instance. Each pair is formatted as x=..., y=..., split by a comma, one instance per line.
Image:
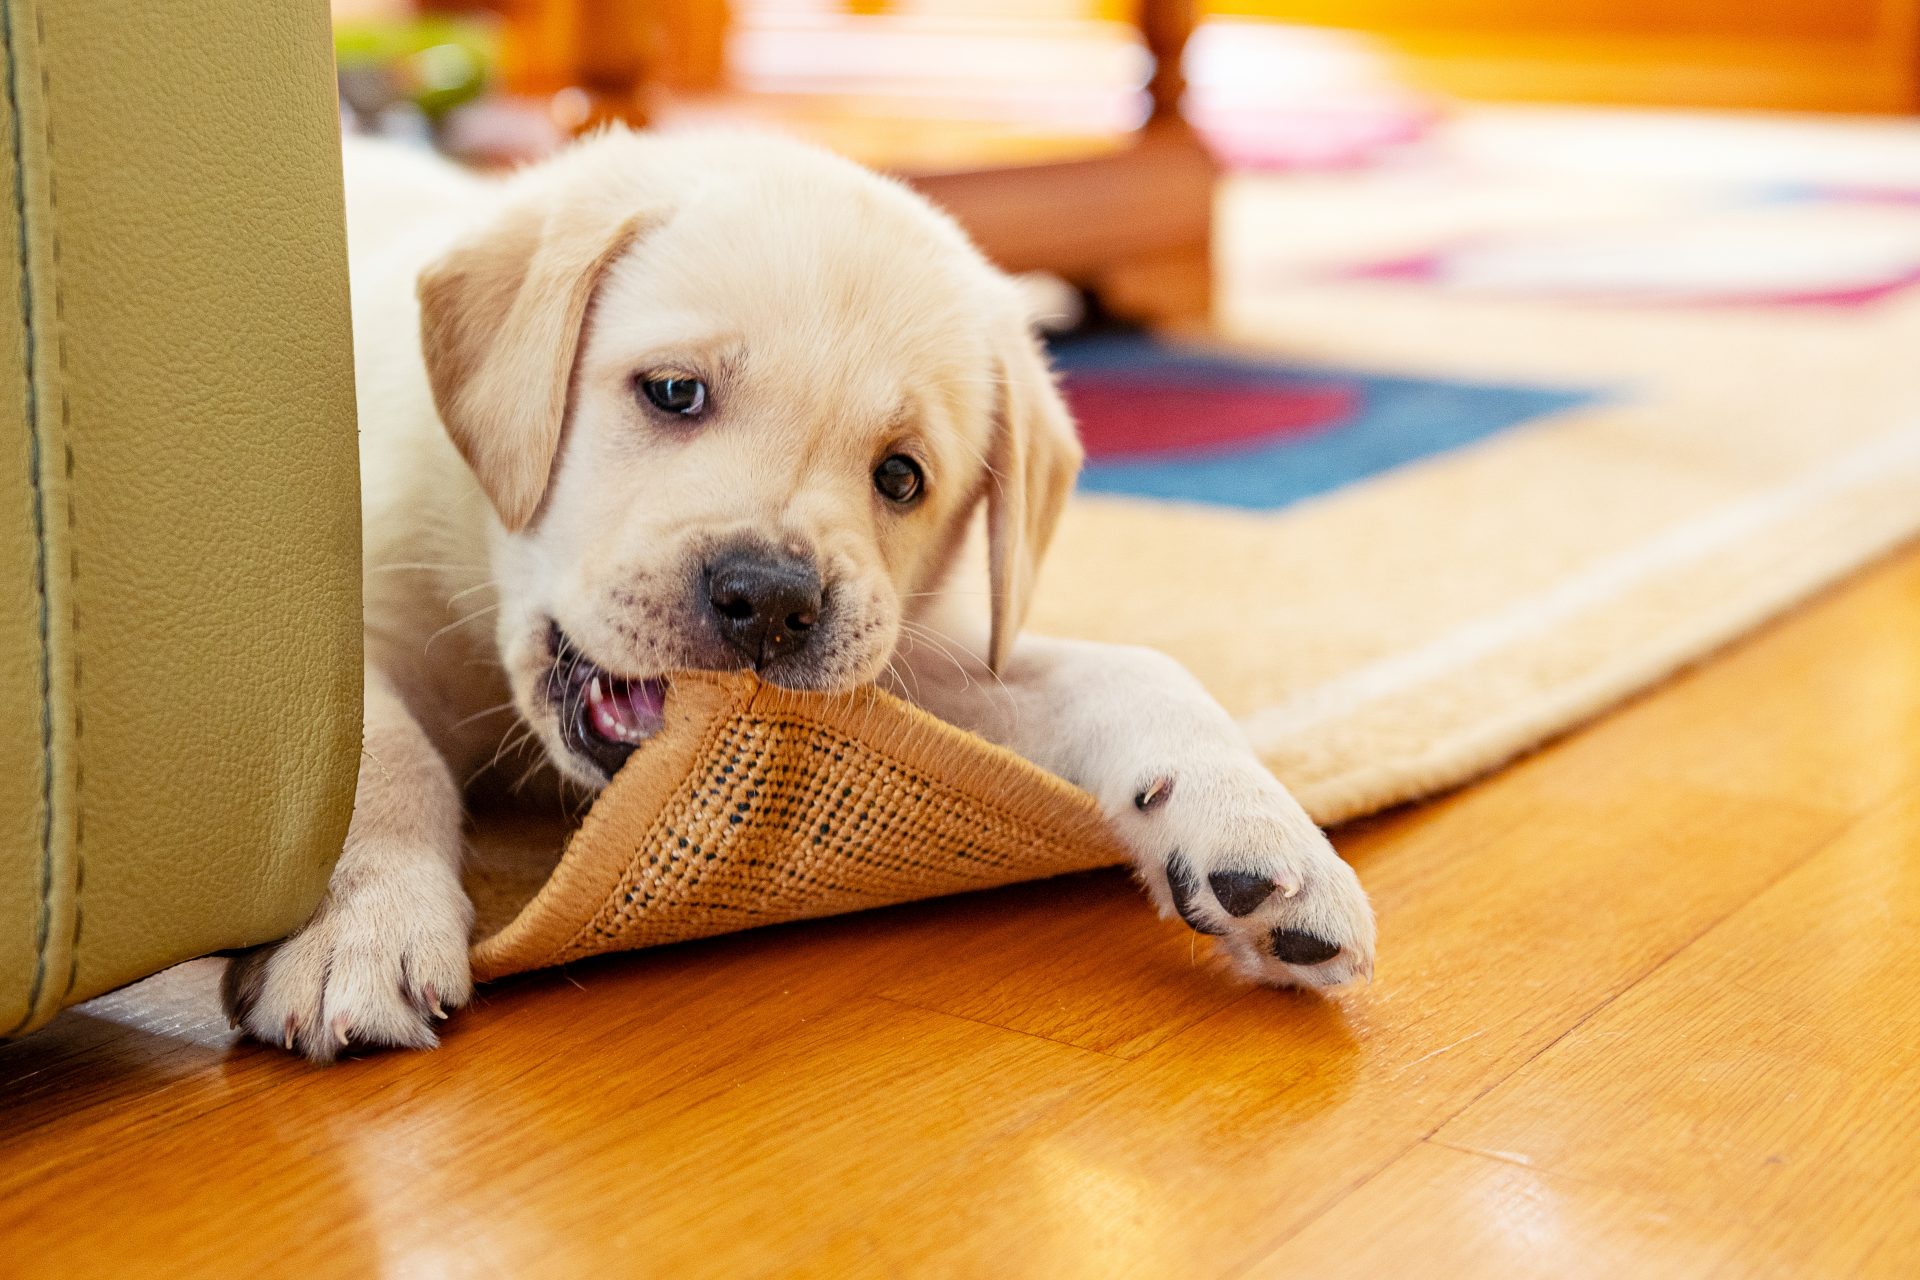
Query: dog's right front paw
x=380, y=961
x=1233, y=856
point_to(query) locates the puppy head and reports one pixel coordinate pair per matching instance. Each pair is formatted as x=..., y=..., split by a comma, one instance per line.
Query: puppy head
x=733, y=402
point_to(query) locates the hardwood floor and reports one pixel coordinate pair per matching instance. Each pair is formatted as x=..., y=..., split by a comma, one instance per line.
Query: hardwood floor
x=1646, y=1006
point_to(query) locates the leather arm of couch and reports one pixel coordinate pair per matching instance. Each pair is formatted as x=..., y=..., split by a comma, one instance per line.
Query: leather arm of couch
x=179, y=526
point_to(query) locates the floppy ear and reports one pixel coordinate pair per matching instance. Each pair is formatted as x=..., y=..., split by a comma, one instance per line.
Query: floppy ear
x=1034, y=458
x=500, y=320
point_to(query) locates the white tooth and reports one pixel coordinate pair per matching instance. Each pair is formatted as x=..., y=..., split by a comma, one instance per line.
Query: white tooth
x=597, y=690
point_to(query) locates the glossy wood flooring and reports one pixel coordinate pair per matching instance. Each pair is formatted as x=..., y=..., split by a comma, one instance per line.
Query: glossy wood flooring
x=1648, y=1004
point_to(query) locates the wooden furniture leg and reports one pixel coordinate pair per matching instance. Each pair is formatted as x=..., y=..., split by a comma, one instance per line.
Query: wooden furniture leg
x=1134, y=227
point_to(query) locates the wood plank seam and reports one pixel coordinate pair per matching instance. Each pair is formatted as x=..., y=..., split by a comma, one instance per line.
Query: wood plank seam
x=1819, y=847
x=992, y=1026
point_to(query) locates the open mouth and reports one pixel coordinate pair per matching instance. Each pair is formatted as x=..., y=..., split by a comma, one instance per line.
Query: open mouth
x=603, y=717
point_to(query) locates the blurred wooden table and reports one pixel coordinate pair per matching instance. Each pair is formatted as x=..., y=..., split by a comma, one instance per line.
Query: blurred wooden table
x=1128, y=216
x=1134, y=226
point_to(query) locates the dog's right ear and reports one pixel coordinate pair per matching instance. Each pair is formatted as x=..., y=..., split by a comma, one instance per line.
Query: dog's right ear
x=501, y=315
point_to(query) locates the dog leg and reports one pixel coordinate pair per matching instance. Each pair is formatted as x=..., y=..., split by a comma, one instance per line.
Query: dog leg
x=1215, y=838
x=386, y=953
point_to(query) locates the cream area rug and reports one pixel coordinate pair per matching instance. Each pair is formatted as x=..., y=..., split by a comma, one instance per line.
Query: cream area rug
x=1717, y=319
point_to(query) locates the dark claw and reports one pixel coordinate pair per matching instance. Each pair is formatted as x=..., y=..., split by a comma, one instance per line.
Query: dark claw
x=1297, y=946
x=244, y=979
x=1183, y=883
x=1240, y=892
x=1153, y=795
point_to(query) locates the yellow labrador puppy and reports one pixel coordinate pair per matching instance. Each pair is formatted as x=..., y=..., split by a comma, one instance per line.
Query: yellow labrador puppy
x=717, y=401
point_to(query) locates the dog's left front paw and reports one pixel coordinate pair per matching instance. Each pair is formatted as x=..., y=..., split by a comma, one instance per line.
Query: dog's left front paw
x=1234, y=856
x=382, y=960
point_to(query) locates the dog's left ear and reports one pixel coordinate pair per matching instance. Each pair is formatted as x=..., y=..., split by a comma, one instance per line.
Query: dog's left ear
x=501, y=315
x=1033, y=459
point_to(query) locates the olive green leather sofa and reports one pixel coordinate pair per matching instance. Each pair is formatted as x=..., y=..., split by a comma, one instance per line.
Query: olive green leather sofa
x=179, y=526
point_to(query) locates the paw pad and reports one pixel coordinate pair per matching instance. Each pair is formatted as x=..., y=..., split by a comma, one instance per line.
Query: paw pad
x=1240, y=892
x=1183, y=884
x=1297, y=946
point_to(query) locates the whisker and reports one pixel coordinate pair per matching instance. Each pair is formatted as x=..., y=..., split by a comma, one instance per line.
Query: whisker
x=425, y=566
x=463, y=594
x=533, y=771
x=457, y=622
x=905, y=674
x=967, y=670
x=481, y=715
x=917, y=631
x=521, y=727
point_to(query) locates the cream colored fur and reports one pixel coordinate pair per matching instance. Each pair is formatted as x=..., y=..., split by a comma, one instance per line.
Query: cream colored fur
x=514, y=482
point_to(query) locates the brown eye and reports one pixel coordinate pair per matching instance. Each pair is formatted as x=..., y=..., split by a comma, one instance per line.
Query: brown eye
x=898, y=479
x=683, y=397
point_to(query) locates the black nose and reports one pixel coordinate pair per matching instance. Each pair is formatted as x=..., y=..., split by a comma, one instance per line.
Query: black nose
x=766, y=606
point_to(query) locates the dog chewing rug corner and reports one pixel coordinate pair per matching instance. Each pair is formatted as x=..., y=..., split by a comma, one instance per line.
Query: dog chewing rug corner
x=1462, y=514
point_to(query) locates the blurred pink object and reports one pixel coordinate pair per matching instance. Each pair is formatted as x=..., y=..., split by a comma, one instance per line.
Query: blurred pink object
x=1268, y=96
x=1717, y=264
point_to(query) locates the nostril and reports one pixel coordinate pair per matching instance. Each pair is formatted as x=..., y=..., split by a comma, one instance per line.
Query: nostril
x=802, y=621
x=738, y=608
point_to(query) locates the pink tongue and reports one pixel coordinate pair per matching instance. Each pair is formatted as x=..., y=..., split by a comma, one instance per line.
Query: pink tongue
x=625, y=710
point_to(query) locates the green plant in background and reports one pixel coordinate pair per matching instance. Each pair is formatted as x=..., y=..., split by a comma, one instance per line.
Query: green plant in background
x=433, y=64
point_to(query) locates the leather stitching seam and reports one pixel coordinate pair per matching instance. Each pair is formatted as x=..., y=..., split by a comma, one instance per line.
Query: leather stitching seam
x=39, y=516
x=66, y=444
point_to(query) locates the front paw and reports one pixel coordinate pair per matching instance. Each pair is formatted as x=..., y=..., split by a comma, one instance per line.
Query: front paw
x=1233, y=855
x=381, y=960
